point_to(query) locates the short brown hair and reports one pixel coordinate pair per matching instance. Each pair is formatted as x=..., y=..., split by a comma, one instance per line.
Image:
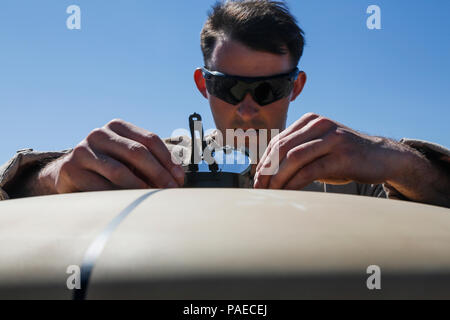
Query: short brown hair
x=263, y=25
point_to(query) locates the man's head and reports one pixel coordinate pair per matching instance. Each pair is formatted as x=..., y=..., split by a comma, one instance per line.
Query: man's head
x=251, y=38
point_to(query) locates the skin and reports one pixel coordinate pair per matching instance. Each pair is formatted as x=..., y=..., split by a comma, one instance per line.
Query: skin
x=231, y=57
x=119, y=155
x=314, y=148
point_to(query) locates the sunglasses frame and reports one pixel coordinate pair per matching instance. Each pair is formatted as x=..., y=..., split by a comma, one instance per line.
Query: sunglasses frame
x=208, y=75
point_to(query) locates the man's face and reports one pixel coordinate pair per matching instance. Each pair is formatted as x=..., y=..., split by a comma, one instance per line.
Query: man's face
x=234, y=58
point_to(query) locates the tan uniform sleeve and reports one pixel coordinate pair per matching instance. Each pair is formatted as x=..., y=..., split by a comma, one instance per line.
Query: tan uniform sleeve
x=22, y=160
x=355, y=188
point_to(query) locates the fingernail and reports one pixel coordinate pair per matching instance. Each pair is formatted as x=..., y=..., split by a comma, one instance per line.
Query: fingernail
x=178, y=172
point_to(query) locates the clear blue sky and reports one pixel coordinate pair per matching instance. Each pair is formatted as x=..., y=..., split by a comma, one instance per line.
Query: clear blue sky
x=134, y=59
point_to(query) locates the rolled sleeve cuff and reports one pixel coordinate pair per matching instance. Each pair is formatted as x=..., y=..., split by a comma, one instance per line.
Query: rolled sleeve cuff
x=23, y=159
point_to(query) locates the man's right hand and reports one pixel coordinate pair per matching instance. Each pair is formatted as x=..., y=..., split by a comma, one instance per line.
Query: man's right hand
x=117, y=156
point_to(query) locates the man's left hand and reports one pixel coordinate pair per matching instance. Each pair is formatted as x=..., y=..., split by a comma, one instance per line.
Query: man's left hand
x=316, y=148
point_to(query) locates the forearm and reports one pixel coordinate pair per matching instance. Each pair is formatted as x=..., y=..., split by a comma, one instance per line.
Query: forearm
x=30, y=181
x=419, y=178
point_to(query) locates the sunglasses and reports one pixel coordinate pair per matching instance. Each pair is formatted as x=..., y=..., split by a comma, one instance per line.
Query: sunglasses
x=264, y=90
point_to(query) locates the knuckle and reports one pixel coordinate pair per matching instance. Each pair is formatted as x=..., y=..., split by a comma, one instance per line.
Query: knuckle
x=80, y=152
x=345, y=139
x=293, y=155
x=339, y=135
x=115, y=123
x=66, y=167
x=137, y=150
x=77, y=156
x=151, y=139
x=341, y=131
x=322, y=123
x=95, y=135
x=310, y=115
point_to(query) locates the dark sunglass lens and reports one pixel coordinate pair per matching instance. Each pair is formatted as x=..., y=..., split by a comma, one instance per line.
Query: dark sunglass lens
x=263, y=94
x=220, y=87
x=239, y=90
x=279, y=88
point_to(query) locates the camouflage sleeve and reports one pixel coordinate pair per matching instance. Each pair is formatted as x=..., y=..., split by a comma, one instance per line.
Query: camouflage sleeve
x=13, y=170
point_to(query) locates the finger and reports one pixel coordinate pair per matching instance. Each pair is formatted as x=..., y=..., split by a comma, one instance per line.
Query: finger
x=153, y=143
x=300, y=123
x=134, y=155
x=90, y=181
x=268, y=154
x=322, y=168
x=297, y=158
x=114, y=171
x=313, y=130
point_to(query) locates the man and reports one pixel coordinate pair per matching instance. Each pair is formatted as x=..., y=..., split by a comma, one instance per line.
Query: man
x=252, y=39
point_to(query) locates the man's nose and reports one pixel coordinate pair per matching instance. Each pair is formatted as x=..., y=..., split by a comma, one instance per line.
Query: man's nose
x=248, y=108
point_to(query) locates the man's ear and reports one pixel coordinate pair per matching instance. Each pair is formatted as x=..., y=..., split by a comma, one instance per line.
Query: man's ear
x=200, y=82
x=298, y=85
